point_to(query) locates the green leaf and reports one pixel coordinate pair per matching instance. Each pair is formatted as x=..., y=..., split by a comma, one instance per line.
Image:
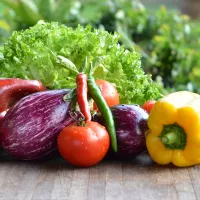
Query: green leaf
x=29, y=11
x=67, y=63
x=70, y=96
x=61, y=10
x=4, y=25
x=46, y=8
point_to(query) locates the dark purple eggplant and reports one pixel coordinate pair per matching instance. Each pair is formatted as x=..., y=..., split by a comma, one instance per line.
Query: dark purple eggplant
x=30, y=128
x=131, y=125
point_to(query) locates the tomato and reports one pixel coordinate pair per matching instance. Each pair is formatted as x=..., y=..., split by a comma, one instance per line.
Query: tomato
x=83, y=146
x=148, y=105
x=109, y=92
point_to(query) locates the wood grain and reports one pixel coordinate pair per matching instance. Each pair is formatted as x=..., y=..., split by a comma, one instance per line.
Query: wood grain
x=55, y=179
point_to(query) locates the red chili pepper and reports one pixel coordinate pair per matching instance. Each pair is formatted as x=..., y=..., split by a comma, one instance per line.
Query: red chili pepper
x=13, y=89
x=82, y=90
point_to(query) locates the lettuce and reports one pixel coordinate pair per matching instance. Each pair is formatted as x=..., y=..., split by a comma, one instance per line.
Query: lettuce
x=44, y=51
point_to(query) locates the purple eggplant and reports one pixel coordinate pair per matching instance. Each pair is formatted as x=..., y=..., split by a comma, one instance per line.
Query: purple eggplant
x=131, y=125
x=30, y=128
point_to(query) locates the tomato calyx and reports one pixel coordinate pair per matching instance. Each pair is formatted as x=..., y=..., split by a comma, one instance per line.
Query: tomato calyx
x=79, y=118
x=81, y=122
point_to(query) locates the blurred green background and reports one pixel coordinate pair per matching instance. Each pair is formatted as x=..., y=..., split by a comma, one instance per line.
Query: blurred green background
x=155, y=4
x=167, y=39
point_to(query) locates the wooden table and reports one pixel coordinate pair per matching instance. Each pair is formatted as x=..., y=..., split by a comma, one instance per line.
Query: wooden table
x=53, y=178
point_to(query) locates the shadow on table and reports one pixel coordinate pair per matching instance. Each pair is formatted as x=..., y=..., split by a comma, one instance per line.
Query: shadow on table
x=54, y=161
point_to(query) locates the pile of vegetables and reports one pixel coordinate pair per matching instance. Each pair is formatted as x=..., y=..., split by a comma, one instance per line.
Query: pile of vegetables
x=50, y=73
x=82, y=93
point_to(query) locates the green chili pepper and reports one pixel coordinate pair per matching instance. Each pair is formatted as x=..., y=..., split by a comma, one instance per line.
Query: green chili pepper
x=95, y=93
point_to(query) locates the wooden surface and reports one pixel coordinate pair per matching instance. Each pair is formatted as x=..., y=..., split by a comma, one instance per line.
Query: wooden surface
x=53, y=178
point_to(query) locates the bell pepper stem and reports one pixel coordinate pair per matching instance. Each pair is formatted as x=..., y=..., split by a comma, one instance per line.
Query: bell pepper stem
x=173, y=136
x=169, y=138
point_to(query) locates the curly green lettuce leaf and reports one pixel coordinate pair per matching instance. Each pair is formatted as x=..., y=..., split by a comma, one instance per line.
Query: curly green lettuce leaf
x=46, y=51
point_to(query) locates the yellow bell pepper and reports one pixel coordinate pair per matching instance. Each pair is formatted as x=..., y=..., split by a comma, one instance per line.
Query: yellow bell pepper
x=174, y=130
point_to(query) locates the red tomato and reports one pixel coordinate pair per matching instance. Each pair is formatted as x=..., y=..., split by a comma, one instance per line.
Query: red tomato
x=83, y=146
x=109, y=92
x=148, y=105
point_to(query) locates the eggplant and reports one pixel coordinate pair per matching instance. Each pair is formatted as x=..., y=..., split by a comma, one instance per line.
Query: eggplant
x=30, y=128
x=131, y=125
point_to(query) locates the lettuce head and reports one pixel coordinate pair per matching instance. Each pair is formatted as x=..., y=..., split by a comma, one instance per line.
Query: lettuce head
x=49, y=52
